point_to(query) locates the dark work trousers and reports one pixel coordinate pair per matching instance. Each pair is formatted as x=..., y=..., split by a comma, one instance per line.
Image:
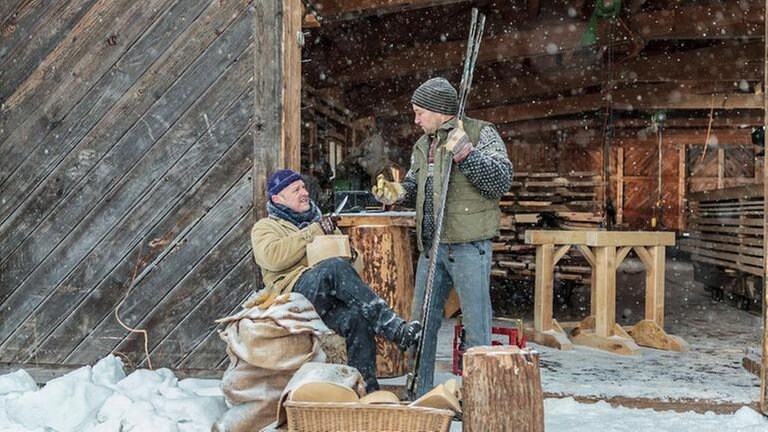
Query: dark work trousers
x=350, y=308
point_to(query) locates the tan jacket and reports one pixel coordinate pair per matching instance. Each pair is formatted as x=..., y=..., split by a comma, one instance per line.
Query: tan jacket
x=280, y=249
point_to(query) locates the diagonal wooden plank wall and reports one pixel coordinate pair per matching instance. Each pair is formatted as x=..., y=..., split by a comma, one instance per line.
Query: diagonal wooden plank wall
x=127, y=154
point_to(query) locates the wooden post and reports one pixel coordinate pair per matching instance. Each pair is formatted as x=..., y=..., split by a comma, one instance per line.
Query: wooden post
x=277, y=92
x=720, y=166
x=681, y=185
x=605, y=291
x=502, y=390
x=546, y=330
x=586, y=252
x=620, y=186
x=654, y=286
x=764, y=361
x=543, y=295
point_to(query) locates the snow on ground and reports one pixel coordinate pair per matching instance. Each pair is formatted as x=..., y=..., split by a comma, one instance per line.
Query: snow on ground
x=102, y=398
x=568, y=415
x=717, y=333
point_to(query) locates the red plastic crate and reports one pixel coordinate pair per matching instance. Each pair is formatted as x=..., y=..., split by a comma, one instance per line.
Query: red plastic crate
x=515, y=336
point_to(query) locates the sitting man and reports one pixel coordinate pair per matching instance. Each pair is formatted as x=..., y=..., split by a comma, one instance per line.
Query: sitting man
x=345, y=303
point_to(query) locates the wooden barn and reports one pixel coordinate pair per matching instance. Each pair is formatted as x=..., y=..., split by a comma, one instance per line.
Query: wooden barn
x=136, y=139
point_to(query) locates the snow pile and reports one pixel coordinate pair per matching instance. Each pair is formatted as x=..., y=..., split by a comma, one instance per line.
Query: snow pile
x=101, y=398
x=568, y=415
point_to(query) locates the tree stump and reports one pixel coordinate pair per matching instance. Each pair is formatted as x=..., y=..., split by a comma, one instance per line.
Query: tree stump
x=502, y=390
x=385, y=247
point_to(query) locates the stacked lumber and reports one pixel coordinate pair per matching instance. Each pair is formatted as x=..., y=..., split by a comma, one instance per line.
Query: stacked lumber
x=725, y=240
x=546, y=200
x=725, y=228
x=575, y=197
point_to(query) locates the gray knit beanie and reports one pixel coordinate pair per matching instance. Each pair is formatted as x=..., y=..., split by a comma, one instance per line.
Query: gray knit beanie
x=437, y=95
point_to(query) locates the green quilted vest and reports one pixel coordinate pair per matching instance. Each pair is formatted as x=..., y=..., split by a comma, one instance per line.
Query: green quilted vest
x=469, y=216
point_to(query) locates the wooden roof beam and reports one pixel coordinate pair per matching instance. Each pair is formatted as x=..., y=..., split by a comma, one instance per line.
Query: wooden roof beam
x=694, y=22
x=537, y=127
x=704, y=64
x=732, y=20
x=646, y=97
x=344, y=10
x=427, y=58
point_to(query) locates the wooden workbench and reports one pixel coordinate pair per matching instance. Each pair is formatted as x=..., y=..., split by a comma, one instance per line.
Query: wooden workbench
x=604, y=250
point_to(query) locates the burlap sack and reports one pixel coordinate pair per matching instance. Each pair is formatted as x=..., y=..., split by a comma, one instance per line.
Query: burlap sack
x=265, y=348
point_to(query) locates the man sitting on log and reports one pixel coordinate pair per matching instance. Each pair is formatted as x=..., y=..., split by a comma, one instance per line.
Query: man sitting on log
x=344, y=302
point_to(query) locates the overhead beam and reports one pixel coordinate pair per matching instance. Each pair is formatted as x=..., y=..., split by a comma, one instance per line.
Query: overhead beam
x=693, y=22
x=704, y=64
x=441, y=55
x=697, y=136
x=647, y=97
x=537, y=127
x=732, y=19
x=671, y=138
x=342, y=10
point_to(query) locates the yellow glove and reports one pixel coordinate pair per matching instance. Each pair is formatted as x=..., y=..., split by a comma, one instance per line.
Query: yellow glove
x=458, y=143
x=387, y=192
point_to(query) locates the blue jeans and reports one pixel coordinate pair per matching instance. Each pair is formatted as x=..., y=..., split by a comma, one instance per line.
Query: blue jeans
x=467, y=267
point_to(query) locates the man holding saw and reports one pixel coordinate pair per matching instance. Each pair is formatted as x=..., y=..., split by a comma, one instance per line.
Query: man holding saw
x=479, y=173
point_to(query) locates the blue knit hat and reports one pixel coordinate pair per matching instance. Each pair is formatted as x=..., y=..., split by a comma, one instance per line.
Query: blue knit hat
x=280, y=180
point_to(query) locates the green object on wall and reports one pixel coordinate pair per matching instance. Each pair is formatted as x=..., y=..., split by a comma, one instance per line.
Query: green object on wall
x=603, y=9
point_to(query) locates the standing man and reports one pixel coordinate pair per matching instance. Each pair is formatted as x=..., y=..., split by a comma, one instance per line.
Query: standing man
x=480, y=174
x=344, y=302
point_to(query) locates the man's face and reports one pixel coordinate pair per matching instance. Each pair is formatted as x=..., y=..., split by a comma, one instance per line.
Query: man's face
x=295, y=197
x=428, y=121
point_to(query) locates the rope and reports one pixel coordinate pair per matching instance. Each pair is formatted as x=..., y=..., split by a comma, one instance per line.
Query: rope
x=117, y=311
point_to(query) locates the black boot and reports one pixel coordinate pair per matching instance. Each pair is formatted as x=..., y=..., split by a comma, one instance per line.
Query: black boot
x=407, y=335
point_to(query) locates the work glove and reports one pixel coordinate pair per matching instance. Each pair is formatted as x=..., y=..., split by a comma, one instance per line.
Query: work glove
x=458, y=144
x=327, y=224
x=387, y=192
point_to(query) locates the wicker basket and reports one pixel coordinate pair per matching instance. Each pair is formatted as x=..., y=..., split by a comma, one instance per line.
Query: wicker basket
x=348, y=417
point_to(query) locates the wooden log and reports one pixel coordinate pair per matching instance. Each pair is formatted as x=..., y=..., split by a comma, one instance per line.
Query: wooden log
x=388, y=268
x=502, y=390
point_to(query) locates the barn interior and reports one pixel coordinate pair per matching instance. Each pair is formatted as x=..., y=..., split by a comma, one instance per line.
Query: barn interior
x=137, y=139
x=627, y=116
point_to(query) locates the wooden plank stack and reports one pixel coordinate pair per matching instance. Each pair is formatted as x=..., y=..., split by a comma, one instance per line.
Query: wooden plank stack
x=546, y=200
x=725, y=228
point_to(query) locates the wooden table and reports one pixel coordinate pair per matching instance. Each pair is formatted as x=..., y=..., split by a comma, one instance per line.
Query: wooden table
x=604, y=250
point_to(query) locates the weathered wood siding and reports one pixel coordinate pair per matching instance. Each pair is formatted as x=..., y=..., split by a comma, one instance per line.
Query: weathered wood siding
x=127, y=152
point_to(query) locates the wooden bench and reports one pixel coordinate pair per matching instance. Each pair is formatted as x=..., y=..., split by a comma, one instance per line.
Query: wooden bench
x=604, y=251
